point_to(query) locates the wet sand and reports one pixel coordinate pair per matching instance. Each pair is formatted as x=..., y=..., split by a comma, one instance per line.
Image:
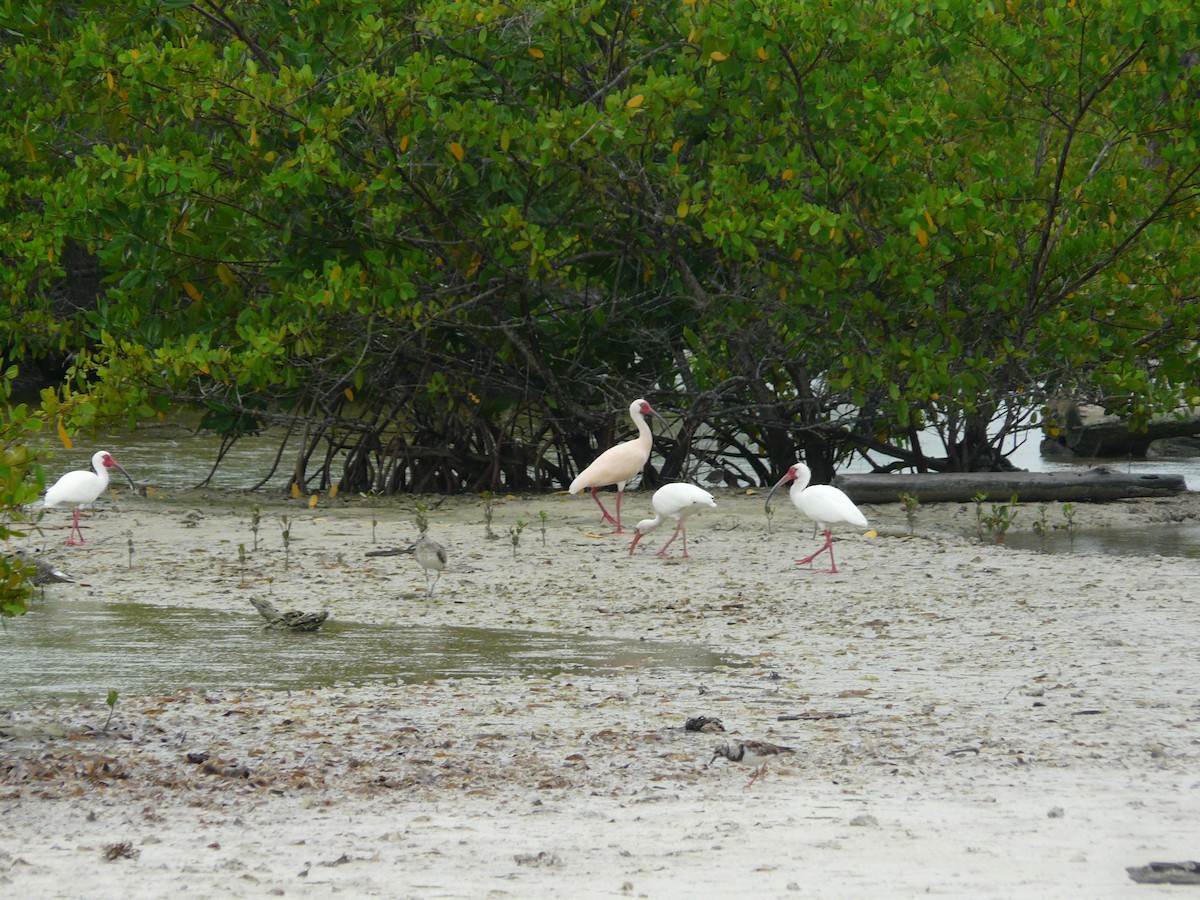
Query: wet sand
x=968, y=719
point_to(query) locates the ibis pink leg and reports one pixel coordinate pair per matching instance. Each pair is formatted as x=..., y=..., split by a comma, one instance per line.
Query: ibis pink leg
x=679, y=529
x=71, y=542
x=828, y=545
x=607, y=517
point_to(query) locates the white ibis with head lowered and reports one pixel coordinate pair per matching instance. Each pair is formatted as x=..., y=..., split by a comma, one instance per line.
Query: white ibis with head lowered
x=617, y=465
x=824, y=504
x=79, y=488
x=673, y=501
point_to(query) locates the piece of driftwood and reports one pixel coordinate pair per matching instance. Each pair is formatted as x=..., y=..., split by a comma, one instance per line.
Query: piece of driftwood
x=812, y=716
x=1029, y=487
x=293, y=619
x=1166, y=873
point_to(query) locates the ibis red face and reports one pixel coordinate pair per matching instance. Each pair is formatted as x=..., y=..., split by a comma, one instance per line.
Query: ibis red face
x=790, y=475
x=110, y=463
x=647, y=410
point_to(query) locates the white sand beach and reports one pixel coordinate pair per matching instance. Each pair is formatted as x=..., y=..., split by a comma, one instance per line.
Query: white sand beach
x=969, y=720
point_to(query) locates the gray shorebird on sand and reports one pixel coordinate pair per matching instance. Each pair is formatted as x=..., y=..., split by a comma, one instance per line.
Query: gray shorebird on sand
x=432, y=558
x=429, y=554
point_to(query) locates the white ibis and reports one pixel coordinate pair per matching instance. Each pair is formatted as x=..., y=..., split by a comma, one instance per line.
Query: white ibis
x=824, y=504
x=673, y=501
x=617, y=465
x=432, y=558
x=79, y=488
x=751, y=753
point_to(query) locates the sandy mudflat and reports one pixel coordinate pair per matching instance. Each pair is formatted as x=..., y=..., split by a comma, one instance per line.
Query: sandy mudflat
x=970, y=720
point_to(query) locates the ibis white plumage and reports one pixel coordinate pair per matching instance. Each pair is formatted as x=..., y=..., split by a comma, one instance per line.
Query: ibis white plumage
x=824, y=504
x=618, y=465
x=79, y=488
x=674, y=501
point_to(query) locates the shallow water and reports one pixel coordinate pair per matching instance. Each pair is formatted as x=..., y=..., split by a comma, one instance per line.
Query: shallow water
x=79, y=649
x=1163, y=540
x=172, y=454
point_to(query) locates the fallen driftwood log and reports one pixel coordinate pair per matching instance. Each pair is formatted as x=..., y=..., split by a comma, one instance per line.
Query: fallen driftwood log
x=294, y=620
x=1166, y=873
x=1029, y=487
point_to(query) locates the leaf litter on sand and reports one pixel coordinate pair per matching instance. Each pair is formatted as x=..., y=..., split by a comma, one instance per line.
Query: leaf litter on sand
x=953, y=710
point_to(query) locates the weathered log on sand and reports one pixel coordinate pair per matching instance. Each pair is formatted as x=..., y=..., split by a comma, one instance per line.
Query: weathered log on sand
x=292, y=619
x=1029, y=487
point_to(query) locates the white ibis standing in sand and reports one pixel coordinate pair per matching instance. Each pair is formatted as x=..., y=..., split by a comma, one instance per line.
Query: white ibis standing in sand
x=432, y=558
x=79, y=488
x=673, y=501
x=824, y=504
x=617, y=465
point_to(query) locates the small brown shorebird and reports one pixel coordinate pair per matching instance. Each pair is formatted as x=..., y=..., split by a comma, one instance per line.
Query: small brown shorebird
x=39, y=572
x=751, y=753
x=432, y=558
